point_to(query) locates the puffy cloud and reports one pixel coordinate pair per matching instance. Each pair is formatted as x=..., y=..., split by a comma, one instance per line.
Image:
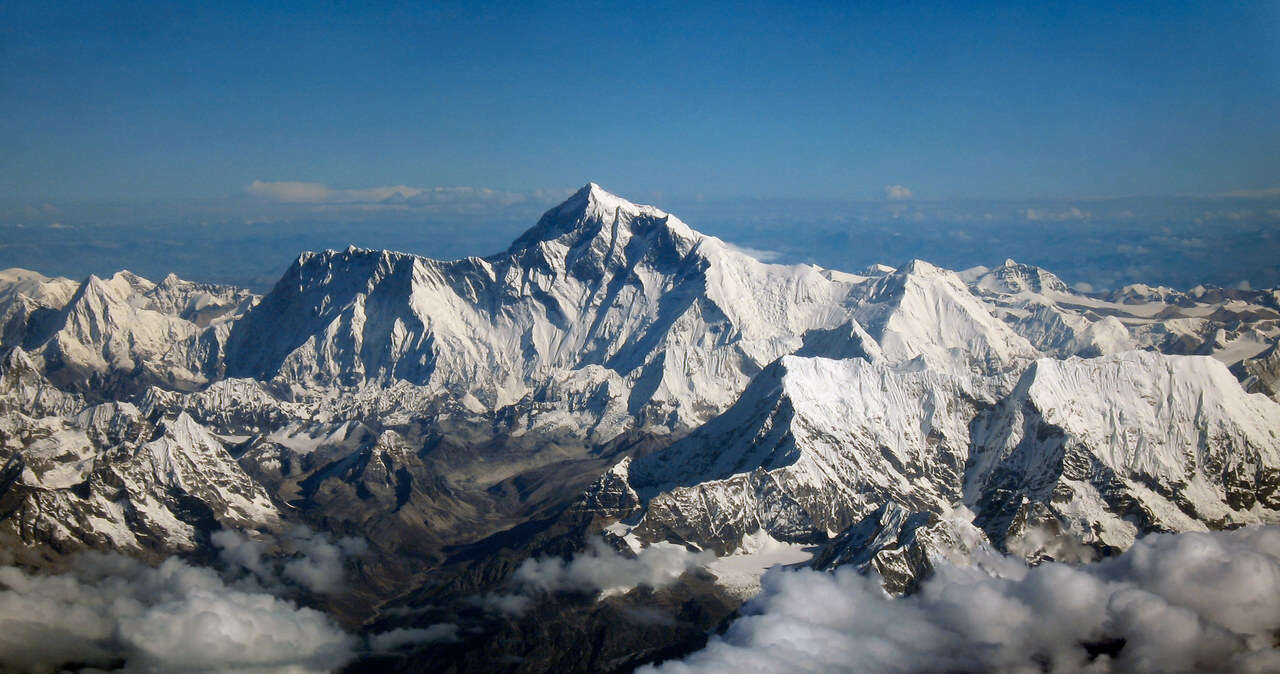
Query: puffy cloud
x=897, y=192
x=385, y=642
x=310, y=559
x=1170, y=603
x=598, y=570
x=1053, y=215
x=601, y=569
x=321, y=563
x=109, y=609
x=501, y=602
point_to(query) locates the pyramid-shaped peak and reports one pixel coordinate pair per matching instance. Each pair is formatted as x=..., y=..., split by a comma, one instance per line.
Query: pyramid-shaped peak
x=918, y=267
x=17, y=360
x=594, y=198
x=592, y=210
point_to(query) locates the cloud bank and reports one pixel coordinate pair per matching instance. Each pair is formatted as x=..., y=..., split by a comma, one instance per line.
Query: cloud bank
x=1187, y=602
x=110, y=610
x=601, y=569
x=312, y=561
x=897, y=192
x=393, y=640
x=392, y=196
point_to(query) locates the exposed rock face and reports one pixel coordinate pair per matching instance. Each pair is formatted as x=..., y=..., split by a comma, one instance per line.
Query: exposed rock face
x=1118, y=446
x=1098, y=450
x=107, y=477
x=811, y=447
x=902, y=546
x=680, y=319
x=616, y=368
x=1261, y=374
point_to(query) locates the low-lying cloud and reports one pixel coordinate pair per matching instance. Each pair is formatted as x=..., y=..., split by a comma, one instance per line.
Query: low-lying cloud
x=112, y=611
x=302, y=557
x=1054, y=215
x=402, y=637
x=602, y=569
x=392, y=196
x=1187, y=602
x=897, y=192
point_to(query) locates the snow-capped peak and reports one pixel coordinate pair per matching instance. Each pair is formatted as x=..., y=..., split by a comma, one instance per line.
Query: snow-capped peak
x=595, y=216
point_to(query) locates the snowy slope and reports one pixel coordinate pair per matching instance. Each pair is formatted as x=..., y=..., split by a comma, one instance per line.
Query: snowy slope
x=812, y=446
x=1117, y=446
x=903, y=547
x=1231, y=325
x=682, y=319
x=27, y=299
x=743, y=406
x=106, y=477
x=1037, y=305
x=924, y=312
x=116, y=336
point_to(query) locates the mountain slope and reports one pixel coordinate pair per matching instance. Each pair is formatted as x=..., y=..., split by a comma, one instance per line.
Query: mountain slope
x=1118, y=446
x=681, y=318
x=107, y=477
x=811, y=446
x=923, y=312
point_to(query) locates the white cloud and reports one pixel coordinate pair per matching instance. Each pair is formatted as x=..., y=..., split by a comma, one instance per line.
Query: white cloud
x=1171, y=603
x=897, y=192
x=320, y=564
x=174, y=617
x=392, y=640
x=1050, y=215
x=310, y=559
x=291, y=191
x=396, y=197
x=498, y=602
x=318, y=193
x=1265, y=193
x=1082, y=287
x=601, y=569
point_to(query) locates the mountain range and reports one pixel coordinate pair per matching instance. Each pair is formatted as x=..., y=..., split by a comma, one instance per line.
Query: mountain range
x=614, y=383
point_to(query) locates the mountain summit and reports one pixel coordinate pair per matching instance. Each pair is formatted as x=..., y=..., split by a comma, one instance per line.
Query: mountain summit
x=615, y=378
x=628, y=296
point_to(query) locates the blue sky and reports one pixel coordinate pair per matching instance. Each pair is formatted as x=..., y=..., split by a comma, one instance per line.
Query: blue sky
x=951, y=100
x=1111, y=143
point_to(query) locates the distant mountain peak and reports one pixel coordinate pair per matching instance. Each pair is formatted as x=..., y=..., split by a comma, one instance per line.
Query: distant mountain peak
x=593, y=212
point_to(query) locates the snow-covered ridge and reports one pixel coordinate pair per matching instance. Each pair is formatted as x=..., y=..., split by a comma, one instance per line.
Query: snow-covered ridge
x=737, y=401
x=680, y=318
x=1117, y=446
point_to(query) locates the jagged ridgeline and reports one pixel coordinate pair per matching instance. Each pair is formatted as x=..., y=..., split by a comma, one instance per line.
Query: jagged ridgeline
x=617, y=376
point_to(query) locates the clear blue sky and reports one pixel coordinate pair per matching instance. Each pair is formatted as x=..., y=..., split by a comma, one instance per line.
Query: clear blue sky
x=134, y=101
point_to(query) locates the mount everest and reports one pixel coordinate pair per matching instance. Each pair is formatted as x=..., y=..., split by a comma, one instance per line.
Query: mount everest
x=615, y=375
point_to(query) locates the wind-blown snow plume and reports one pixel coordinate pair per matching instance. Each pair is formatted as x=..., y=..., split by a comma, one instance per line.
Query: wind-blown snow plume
x=1171, y=603
x=110, y=610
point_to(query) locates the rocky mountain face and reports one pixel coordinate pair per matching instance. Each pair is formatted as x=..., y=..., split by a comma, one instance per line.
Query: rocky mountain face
x=617, y=379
